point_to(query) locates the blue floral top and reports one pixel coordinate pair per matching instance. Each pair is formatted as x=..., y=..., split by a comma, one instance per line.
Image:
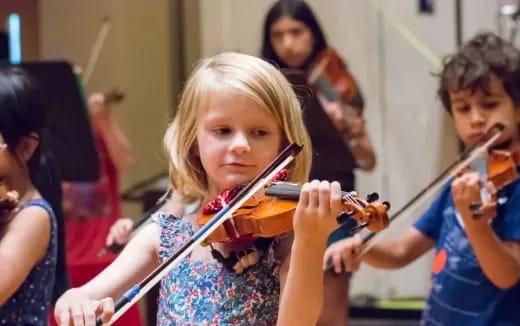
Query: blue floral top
x=206, y=293
x=30, y=304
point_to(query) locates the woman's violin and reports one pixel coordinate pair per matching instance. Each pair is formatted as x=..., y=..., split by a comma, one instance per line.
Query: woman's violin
x=271, y=214
x=331, y=77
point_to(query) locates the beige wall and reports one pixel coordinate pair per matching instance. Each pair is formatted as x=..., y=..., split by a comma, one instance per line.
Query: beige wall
x=138, y=56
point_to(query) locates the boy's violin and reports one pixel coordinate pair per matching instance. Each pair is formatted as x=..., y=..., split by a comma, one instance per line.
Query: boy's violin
x=271, y=214
x=499, y=167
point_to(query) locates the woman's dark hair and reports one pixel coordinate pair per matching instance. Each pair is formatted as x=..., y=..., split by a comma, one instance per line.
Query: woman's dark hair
x=22, y=113
x=472, y=67
x=297, y=10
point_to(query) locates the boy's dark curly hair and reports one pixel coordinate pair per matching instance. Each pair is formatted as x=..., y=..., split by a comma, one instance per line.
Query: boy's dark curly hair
x=472, y=67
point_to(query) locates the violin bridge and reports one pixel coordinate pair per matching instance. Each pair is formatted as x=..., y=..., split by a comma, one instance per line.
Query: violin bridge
x=480, y=165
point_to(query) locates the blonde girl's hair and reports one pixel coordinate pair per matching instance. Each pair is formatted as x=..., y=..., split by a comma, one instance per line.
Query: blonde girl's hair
x=241, y=74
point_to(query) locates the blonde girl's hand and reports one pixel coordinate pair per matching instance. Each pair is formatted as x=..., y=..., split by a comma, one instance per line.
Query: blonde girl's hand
x=120, y=232
x=75, y=308
x=344, y=254
x=319, y=205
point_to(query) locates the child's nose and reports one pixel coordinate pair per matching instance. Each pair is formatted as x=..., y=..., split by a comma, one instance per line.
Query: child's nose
x=477, y=117
x=240, y=143
x=287, y=42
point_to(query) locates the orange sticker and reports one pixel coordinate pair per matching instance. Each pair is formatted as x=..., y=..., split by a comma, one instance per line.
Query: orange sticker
x=439, y=261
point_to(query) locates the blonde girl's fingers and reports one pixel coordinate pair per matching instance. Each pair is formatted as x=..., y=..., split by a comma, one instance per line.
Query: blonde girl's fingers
x=89, y=314
x=304, y=195
x=336, y=204
x=324, y=197
x=107, y=307
x=314, y=194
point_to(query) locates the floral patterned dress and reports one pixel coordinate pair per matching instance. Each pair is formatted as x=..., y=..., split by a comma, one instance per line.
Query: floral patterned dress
x=205, y=293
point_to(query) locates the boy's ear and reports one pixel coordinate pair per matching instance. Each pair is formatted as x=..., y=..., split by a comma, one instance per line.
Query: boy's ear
x=27, y=147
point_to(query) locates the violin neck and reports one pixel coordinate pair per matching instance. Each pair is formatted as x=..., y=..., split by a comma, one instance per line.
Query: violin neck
x=288, y=191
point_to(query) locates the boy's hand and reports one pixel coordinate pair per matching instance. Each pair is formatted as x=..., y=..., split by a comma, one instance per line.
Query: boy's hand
x=344, y=253
x=319, y=205
x=465, y=191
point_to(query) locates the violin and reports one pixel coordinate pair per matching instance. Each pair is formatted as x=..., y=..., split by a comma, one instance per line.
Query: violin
x=271, y=214
x=332, y=78
x=8, y=203
x=497, y=166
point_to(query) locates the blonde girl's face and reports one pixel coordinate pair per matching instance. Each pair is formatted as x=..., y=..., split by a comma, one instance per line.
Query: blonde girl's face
x=236, y=139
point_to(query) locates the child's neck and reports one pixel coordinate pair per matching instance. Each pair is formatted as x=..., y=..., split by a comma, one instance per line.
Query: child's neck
x=24, y=187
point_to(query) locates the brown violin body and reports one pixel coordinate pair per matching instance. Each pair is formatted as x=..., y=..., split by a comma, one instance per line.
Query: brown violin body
x=330, y=75
x=502, y=167
x=264, y=218
x=271, y=214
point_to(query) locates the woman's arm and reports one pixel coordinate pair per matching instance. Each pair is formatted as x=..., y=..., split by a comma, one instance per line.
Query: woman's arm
x=118, y=146
x=23, y=245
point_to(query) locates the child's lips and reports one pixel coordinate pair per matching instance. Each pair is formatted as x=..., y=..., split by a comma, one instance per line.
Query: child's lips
x=475, y=137
x=238, y=164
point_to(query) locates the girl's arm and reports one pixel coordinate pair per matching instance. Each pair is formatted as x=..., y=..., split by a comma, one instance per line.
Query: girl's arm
x=135, y=262
x=306, y=281
x=301, y=275
x=23, y=245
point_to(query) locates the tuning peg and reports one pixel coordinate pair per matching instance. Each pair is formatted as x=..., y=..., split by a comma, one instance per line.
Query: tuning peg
x=372, y=197
x=387, y=205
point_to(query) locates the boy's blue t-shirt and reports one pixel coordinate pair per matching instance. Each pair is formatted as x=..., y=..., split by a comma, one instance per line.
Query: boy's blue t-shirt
x=461, y=294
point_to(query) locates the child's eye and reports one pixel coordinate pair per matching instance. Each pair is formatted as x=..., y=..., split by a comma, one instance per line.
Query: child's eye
x=222, y=130
x=490, y=105
x=260, y=132
x=462, y=108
